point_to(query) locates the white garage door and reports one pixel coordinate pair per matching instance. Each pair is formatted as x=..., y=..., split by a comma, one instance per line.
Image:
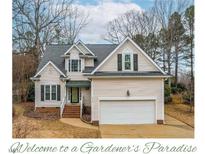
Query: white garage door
x=127, y=112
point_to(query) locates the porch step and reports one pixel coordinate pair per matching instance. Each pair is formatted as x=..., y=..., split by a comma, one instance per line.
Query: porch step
x=71, y=116
x=71, y=111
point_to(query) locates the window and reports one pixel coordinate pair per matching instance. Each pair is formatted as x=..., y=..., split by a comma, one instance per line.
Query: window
x=74, y=65
x=51, y=92
x=53, y=96
x=127, y=62
x=47, y=92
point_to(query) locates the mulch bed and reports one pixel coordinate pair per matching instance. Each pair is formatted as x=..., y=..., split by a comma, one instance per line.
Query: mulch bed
x=87, y=117
x=42, y=116
x=29, y=112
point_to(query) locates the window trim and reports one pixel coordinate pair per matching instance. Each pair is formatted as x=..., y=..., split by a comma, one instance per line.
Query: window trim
x=131, y=61
x=46, y=92
x=50, y=92
x=79, y=69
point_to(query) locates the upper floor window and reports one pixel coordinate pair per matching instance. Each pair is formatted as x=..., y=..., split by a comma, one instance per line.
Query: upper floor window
x=74, y=65
x=127, y=62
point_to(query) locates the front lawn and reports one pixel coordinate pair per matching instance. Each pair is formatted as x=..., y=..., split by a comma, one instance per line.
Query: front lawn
x=25, y=127
x=181, y=112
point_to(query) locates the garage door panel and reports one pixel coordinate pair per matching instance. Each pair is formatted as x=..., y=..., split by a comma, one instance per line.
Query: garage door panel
x=127, y=112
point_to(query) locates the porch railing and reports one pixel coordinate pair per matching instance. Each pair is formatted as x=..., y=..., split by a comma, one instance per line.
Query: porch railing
x=62, y=106
x=81, y=106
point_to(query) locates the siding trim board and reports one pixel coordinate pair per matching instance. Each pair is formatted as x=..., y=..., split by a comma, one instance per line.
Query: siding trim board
x=116, y=77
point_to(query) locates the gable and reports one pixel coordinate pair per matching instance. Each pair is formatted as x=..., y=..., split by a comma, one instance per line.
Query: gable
x=73, y=49
x=50, y=73
x=84, y=48
x=74, y=53
x=144, y=64
x=49, y=69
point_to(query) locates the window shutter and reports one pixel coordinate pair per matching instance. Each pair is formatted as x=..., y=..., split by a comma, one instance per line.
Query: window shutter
x=69, y=65
x=42, y=92
x=58, y=92
x=135, y=62
x=119, y=62
x=79, y=66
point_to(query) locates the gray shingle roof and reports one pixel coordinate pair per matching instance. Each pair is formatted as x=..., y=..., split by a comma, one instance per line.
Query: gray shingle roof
x=53, y=53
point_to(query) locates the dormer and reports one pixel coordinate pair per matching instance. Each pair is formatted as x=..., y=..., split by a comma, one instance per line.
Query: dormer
x=77, y=57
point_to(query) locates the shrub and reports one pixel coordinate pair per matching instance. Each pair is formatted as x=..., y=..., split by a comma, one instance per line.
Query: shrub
x=181, y=86
x=31, y=93
x=174, y=90
x=167, y=94
x=178, y=88
x=168, y=99
x=187, y=97
x=167, y=90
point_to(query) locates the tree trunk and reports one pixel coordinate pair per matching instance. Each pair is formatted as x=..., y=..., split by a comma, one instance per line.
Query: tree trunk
x=169, y=65
x=176, y=64
x=192, y=77
x=164, y=65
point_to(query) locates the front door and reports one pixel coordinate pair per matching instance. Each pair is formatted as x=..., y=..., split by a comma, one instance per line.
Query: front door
x=74, y=95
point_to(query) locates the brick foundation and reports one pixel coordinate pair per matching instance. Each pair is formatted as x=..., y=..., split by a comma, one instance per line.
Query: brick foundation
x=160, y=121
x=48, y=110
x=95, y=123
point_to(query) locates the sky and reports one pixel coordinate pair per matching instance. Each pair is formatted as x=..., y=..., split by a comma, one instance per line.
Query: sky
x=102, y=11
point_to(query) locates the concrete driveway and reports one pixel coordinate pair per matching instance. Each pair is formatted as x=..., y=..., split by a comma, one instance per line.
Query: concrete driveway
x=171, y=129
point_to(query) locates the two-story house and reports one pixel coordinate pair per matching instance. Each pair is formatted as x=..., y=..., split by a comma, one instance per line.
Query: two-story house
x=120, y=83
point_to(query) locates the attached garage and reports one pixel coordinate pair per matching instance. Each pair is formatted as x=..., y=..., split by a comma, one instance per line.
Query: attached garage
x=127, y=111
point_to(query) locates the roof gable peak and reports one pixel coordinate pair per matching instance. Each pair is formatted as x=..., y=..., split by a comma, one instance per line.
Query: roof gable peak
x=123, y=42
x=74, y=46
x=80, y=42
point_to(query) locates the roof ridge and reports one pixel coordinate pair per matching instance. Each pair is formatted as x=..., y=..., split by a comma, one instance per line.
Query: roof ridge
x=99, y=44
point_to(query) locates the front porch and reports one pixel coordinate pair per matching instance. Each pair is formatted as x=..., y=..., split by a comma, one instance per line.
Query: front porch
x=77, y=99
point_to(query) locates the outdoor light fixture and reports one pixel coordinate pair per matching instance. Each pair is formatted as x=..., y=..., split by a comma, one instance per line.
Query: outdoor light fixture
x=128, y=93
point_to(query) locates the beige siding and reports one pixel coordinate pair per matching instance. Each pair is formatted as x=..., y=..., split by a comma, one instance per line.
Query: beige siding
x=74, y=53
x=118, y=88
x=143, y=63
x=86, y=94
x=49, y=76
x=83, y=49
x=89, y=62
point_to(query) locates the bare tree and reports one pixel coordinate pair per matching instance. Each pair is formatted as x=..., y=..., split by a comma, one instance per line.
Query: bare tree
x=24, y=66
x=163, y=9
x=74, y=21
x=131, y=24
x=31, y=20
